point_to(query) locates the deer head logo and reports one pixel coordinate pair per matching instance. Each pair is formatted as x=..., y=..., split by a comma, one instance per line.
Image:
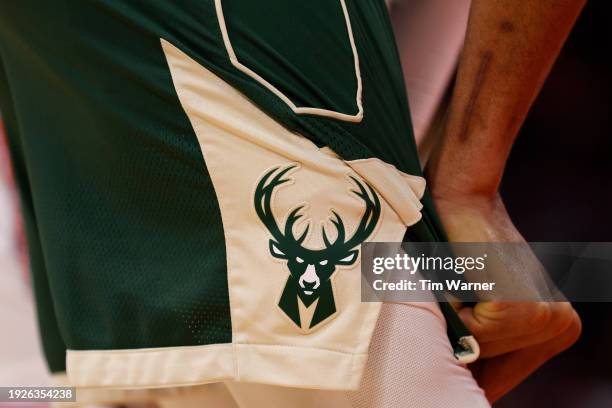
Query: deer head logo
x=310, y=270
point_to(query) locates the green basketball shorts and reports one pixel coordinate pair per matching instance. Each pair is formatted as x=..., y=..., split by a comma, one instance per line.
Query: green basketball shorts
x=197, y=178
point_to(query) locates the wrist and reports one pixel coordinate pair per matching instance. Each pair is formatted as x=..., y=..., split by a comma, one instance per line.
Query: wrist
x=475, y=218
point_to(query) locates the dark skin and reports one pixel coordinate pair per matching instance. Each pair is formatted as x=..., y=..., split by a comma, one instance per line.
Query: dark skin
x=509, y=49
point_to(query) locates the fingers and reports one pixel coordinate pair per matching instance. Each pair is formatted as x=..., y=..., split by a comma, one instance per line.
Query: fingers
x=499, y=375
x=503, y=327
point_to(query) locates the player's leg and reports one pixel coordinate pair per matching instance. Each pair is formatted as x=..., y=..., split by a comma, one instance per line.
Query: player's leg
x=410, y=363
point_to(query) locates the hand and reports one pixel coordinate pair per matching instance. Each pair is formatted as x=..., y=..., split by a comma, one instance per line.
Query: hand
x=515, y=337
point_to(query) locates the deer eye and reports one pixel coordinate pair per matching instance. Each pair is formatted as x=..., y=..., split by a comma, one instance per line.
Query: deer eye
x=299, y=260
x=323, y=262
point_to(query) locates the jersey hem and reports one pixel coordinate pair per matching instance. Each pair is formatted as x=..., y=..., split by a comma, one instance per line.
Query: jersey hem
x=288, y=366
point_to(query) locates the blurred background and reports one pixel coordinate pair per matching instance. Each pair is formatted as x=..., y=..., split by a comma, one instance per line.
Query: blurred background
x=557, y=188
x=558, y=181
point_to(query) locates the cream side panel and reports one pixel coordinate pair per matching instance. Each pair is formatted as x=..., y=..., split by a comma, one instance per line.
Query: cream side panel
x=240, y=143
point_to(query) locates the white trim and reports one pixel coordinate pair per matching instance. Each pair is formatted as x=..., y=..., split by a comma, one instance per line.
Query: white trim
x=402, y=191
x=472, y=350
x=281, y=365
x=299, y=110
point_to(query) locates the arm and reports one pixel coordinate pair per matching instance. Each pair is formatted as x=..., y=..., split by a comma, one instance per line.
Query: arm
x=509, y=49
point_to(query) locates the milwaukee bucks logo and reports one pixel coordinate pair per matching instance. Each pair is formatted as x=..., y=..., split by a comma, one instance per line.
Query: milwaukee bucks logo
x=310, y=270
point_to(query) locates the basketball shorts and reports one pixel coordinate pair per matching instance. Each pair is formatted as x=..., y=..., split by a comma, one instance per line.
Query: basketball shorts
x=197, y=178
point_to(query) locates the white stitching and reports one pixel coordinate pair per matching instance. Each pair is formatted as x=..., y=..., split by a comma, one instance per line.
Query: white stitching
x=299, y=110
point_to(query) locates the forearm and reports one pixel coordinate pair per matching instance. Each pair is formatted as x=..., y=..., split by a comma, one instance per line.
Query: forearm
x=509, y=49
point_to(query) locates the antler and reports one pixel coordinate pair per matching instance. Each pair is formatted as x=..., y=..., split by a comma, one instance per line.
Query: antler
x=263, y=207
x=366, y=224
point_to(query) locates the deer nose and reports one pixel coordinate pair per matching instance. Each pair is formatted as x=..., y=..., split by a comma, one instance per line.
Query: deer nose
x=310, y=276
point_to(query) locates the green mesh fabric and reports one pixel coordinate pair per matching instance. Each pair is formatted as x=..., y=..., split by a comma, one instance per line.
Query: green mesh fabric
x=124, y=229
